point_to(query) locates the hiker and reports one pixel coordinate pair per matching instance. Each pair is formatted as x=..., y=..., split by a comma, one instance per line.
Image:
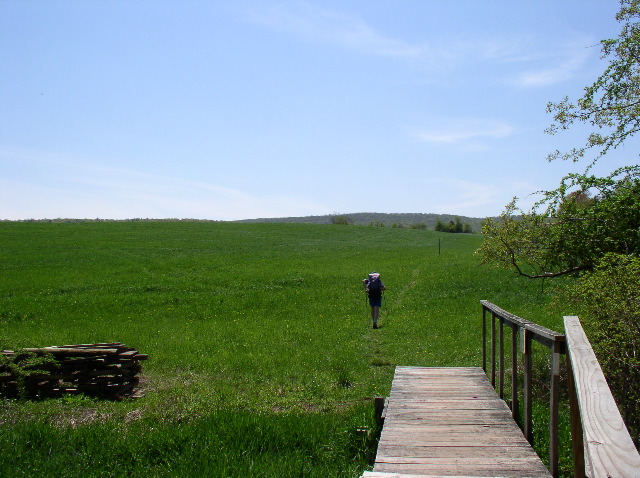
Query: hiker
x=374, y=286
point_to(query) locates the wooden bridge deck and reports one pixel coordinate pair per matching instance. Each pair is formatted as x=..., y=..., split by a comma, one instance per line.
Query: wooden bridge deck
x=450, y=422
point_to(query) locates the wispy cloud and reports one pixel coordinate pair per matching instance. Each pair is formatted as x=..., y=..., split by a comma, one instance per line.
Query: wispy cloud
x=468, y=196
x=53, y=186
x=321, y=24
x=568, y=63
x=439, y=53
x=453, y=131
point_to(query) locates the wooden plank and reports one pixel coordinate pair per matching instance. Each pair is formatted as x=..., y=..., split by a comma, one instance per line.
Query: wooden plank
x=430, y=371
x=416, y=418
x=481, y=452
x=67, y=351
x=446, y=434
x=450, y=422
x=469, y=383
x=492, y=463
x=453, y=404
x=377, y=474
x=609, y=450
x=471, y=470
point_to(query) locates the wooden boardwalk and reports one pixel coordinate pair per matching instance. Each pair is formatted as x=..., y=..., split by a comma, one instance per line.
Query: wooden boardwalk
x=450, y=422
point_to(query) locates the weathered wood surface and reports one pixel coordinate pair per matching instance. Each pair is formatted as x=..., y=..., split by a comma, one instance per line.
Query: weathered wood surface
x=450, y=422
x=106, y=369
x=609, y=450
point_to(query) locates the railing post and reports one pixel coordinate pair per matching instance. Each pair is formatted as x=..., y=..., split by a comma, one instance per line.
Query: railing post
x=528, y=408
x=501, y=358
x=553, y=406
x=484, y=338
x=493, y=349
x=528, y=331
x=515, y=411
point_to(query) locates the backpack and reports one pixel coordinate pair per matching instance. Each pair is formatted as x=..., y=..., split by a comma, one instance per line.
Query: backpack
x=375, y=284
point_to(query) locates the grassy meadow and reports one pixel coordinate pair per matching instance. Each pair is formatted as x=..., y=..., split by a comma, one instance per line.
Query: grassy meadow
x=262, y=359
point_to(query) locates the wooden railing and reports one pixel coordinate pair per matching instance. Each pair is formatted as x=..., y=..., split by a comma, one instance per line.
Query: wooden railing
x=602, y=446
x=601, y=443
x=527, y=331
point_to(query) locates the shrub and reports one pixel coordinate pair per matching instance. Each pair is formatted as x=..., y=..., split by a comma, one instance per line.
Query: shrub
x=342, y=220
x=453, y=226
x=610, y=300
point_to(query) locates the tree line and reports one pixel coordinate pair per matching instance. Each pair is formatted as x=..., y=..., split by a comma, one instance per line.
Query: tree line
x=454, y=226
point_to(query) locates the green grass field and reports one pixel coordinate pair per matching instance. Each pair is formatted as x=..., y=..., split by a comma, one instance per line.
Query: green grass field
x=262, y=359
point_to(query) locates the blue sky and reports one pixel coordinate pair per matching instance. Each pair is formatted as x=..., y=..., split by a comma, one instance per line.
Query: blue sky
x=244, y=109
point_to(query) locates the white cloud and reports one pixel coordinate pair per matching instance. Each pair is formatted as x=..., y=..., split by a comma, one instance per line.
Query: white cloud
x=452, y=131
x=331, y=26
x=466, y=197
x=64, y=187
x=571, y=60
x=439, y=54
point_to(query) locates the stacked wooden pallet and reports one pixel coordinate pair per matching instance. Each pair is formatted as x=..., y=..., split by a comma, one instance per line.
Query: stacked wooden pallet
x=108, y=370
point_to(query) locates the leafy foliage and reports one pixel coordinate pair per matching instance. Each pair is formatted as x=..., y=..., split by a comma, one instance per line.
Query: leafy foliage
x=23, y=367
x=453, y=226
x=612, y=103
x=608, y=299
x=342, y=220
x=589, y=227
x=575, y=230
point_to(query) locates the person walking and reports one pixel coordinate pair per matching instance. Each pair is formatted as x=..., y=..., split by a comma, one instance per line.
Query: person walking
x=374, y=286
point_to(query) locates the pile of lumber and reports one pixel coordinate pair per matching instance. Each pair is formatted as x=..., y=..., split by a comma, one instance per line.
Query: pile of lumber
x=106, y=370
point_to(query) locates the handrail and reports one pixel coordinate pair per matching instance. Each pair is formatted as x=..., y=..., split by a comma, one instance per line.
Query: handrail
x=529, y=331
x=602, y=444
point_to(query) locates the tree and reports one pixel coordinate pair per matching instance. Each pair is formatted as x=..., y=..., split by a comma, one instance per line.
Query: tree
x=586, y=217
x=453, y=226
x=589, y=227
x=612, y=103
x=342, y=220
x=574, y=232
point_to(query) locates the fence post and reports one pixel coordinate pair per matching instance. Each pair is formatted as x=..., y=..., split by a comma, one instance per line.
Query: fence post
x=501, y=358
x=484, y=338
x=493, y=349
x=528, y=409
x=553, y=405
x=515, y=411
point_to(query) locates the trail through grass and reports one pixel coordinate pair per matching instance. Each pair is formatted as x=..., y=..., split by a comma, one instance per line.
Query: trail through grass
x=261, y=349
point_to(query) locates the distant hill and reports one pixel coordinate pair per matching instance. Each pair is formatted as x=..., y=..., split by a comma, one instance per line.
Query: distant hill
x=358, y=218
x=375, y=218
